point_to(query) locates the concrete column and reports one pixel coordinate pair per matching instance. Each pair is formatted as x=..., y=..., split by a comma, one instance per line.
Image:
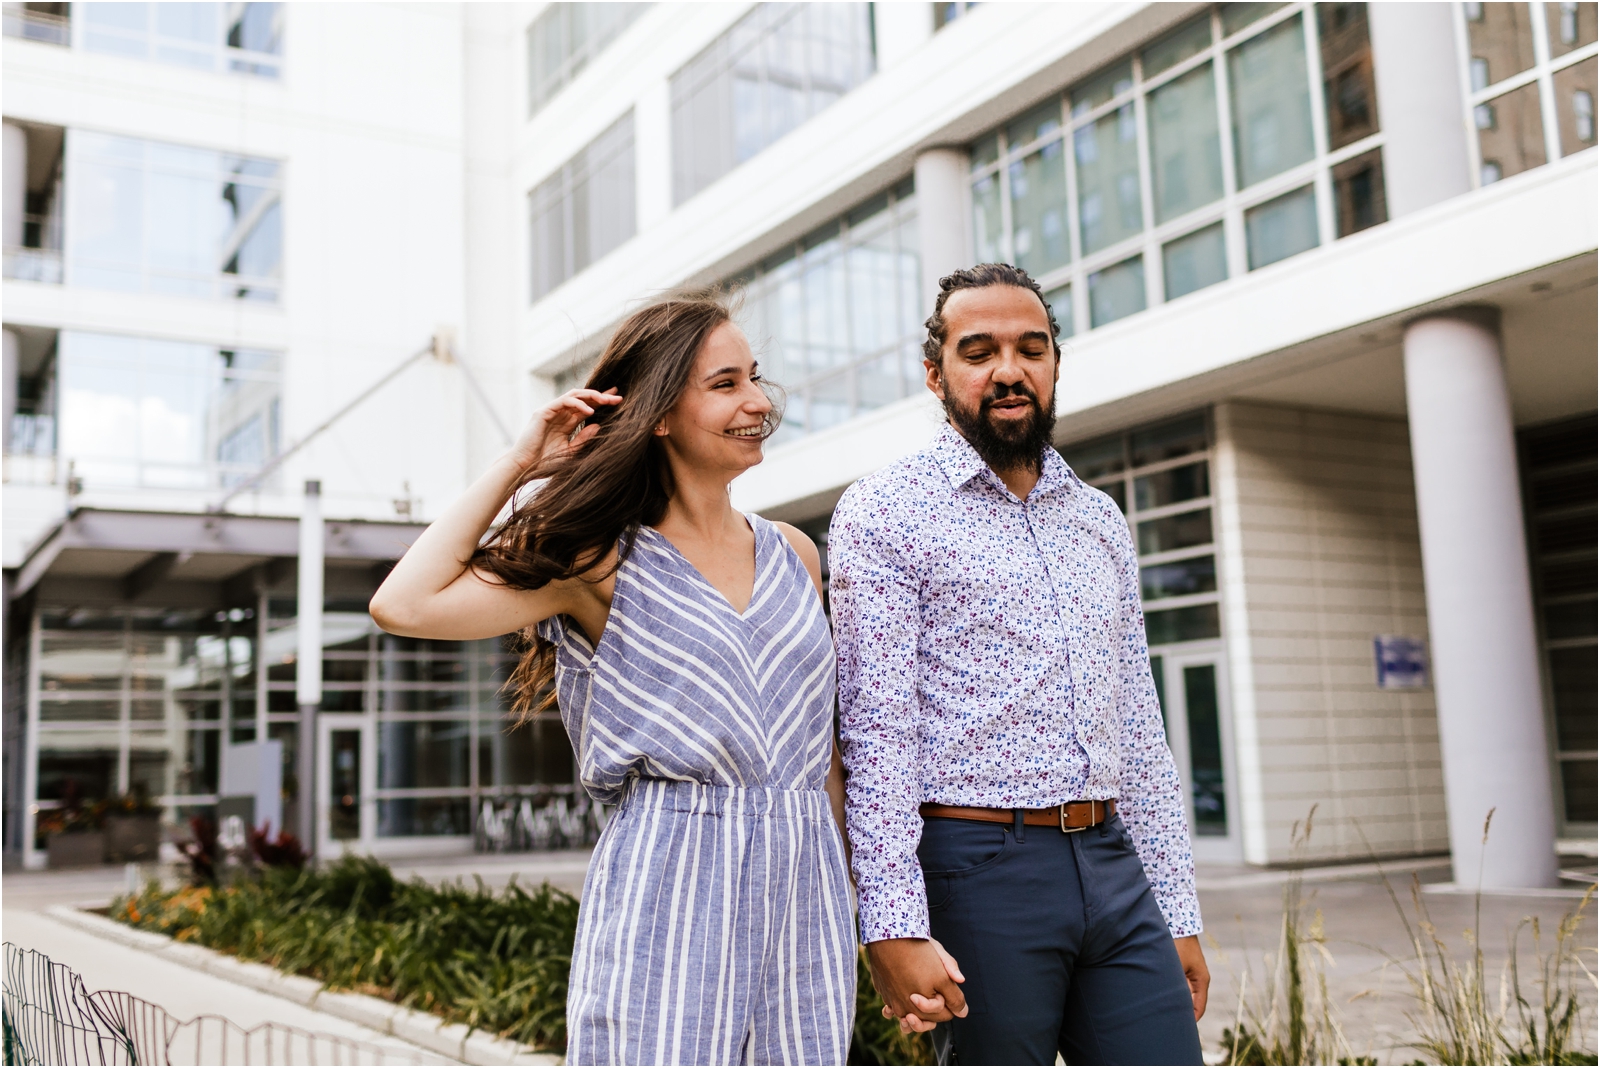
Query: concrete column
x=900, y=29
x=1418, y=75
x=308, y=656
x=15, y=153
x=1480, y=602
x=944, y=218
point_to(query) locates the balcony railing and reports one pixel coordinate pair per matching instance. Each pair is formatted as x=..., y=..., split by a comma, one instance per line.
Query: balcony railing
x=37, y=25
x=34, y=265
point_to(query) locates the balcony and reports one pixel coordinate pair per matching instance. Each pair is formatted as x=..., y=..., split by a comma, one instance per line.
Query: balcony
x=34, y=265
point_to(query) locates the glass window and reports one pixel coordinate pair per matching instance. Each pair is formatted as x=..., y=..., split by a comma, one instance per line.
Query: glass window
x=1172, y=532
x=1038, y=210
x=1060, y=301
x=424, y=817
x=1171, y=486
x=836, y=318
x=986, y=219
x=1236, y=17
x=564, y=38
x=240, y=38
x=1116, y=291
x=1177, y=46
x=145, y=216
x=1348, y=90
x=151, y=413
x=1271, y=102
x=1282, y=227
x=1179, y=578
x=584, y=210
x=1575, y=92
x=1194, y=623
x=1500, y=39
x=1510, y=134
x=946, y=13
x=47, y=23
x=1195, y=261
x=1570, y=26
x=1168, y=441
x=1185, y=145
x=1107, y=155
x=1205, y=748
x=1358, y=195
x=774, y=69
x=418, y=754
x=1102, y=88
x=1096, y=459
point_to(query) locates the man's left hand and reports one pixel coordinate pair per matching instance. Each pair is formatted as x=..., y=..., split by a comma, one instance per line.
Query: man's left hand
x=1194, y=970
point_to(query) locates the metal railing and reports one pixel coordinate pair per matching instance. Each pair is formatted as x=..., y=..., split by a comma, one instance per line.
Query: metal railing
x=528, y=823
x=37, y=25
x=51, y=1018
x=33, y=265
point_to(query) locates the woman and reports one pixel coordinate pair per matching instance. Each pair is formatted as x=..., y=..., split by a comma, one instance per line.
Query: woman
x=695, y=674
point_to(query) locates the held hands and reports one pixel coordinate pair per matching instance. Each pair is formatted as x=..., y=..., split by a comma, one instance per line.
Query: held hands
x=902, y=968
x=551, y=430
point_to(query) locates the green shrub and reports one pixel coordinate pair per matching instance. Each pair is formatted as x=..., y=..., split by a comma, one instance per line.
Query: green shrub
x=496, y=961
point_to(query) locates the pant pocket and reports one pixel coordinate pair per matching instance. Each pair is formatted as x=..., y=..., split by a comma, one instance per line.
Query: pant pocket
x=952, y=850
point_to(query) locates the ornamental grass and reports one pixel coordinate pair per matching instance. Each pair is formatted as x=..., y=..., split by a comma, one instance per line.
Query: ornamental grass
x=495, y=961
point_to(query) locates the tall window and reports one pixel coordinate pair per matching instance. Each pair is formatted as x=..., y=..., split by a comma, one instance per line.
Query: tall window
x=1530, y=76
x=1160, y=476
x=1247, y=135
x=584, y=210
x=564, y=38
x=835, y=316
x=1558, y=490
x=237, y=38
x=151, y=217
x=138, y=412
x=777, y=67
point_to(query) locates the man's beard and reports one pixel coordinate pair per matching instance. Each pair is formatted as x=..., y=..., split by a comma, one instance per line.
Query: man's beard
x=1009, y=445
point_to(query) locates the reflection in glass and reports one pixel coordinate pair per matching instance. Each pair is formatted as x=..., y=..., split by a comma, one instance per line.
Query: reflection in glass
x=1348, y=88
x=405, y=817
x=1271, y=103
x=1195, y=261
x=1179, y=578
x=1185, y=145
x=1171, y=486
x=1095, y=459
x=1282, y=227
x=344, y=785
x=564, y=38
x=1176, y=47
x=243, y=38
x=1175, y=532
x=422, y=754
x=1196, y=622
x=1168, y=440
x=1060, y=301
x=1205, y=749
x=1107, y=157
x=1510, y=134
x=152, y=217
x=1500, y=38
x=1116, y=291
x=1575, y=94
x=987, y=226
x=1102, y=88
x=1358, y=196
x=584, y=210
x=1570, y=26
x=1236, y=17
x=1038, y=210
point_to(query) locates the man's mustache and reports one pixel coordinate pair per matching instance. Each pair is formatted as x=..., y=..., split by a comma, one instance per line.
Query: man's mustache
x=999, y=393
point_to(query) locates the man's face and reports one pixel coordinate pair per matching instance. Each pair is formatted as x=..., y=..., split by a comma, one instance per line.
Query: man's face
x=998, y=373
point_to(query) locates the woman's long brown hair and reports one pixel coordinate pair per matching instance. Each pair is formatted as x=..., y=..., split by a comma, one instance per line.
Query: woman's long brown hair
x=597, y=497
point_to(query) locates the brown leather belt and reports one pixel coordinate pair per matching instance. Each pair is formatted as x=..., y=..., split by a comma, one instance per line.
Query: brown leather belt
x=1071, y=817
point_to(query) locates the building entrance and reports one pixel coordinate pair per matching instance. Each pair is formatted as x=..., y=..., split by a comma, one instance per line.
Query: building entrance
x=1191, y=684
x=344, y=795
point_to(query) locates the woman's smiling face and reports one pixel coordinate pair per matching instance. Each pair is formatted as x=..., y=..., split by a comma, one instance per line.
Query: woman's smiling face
x=720, y=420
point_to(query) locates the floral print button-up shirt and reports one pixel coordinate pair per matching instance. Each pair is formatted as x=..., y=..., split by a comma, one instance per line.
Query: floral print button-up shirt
x=992, y=653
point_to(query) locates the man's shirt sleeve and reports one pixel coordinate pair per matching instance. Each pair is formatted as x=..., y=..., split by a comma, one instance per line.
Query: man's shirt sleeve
x=876, y=609
x=1151, y=797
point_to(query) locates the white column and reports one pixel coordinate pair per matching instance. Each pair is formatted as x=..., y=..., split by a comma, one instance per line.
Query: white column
x=15, y=153
x=308, y=657
x=1420, y=110
x=1480, y=602
x=943, y=216
x=900, y=29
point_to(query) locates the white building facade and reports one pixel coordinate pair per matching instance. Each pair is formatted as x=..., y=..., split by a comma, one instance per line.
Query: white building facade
x=1325, y=273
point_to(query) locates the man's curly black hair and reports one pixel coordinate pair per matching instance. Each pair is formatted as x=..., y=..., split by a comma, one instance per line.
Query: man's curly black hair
x=979, y=277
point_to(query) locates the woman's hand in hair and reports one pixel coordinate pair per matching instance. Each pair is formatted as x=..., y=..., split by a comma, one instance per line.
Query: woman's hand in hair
x=559, y=426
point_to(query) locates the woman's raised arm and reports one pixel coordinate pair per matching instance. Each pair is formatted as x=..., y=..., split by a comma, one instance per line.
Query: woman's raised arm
x=434, y=592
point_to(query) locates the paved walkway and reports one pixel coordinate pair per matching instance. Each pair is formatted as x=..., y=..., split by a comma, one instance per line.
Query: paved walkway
x=1242, y=908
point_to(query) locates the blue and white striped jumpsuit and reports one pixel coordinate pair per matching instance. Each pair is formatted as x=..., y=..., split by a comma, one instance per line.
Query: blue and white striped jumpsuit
x=715, y=925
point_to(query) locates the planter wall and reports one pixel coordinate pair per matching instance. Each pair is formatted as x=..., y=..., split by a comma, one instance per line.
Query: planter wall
x=76, y=850
x=131, y=838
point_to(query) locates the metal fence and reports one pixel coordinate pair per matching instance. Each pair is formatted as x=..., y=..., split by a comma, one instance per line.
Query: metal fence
x=51, y=1018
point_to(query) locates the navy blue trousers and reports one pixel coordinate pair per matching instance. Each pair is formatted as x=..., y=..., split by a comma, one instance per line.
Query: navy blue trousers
x=1062, y=944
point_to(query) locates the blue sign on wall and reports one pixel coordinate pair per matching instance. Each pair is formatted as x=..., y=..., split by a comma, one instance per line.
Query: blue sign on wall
x=1402, y=662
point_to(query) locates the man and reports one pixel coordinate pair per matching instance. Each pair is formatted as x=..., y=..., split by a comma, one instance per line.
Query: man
x=1010, y=791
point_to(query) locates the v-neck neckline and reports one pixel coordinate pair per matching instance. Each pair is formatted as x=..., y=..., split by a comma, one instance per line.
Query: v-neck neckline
x=755, y=578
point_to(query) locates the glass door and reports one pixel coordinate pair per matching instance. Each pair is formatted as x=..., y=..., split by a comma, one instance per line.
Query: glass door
x=1193, y=695
x=344, y=759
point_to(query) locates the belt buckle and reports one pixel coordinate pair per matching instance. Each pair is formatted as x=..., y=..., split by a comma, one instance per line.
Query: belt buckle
x=1063, y=816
